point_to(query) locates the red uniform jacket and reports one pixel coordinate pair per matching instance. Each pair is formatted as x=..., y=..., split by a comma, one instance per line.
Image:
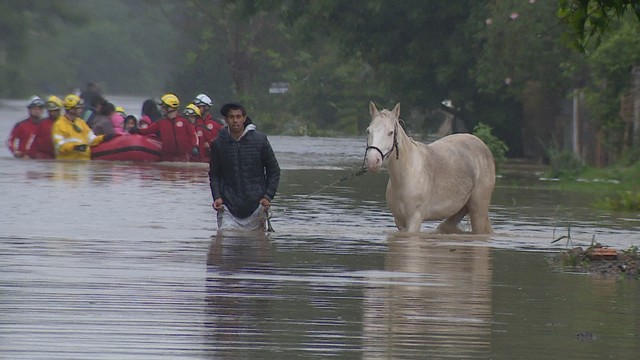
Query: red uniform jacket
x=206, y=134
x=42, y=147
x=212, y=125
x=21, y=137
x=178, y=138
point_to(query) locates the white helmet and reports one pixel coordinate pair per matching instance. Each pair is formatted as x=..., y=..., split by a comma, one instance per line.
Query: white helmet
x=203, y=99
x=36, y=101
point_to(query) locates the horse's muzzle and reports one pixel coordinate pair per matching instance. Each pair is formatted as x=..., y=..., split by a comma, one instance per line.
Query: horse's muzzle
x=373, y=159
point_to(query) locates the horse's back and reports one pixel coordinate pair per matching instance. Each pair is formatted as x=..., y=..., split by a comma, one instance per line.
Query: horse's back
x=463, y=152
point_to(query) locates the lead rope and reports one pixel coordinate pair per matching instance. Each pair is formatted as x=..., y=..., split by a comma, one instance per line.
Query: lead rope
x=363, y=168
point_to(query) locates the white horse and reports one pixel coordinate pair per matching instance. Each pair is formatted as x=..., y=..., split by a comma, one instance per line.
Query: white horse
x=447, y=179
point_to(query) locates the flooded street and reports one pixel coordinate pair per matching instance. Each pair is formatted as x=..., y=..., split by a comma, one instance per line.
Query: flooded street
x=106, y=260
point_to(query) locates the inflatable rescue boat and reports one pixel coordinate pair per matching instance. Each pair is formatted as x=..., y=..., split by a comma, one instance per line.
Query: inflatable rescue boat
x=128, y=148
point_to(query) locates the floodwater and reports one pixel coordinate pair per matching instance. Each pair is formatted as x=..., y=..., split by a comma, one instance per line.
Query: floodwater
x=105, y=260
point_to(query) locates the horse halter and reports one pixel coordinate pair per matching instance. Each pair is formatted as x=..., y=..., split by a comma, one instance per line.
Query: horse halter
x=395, y=145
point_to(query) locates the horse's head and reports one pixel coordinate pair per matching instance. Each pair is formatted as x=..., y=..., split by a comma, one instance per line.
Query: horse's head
x=382, y=133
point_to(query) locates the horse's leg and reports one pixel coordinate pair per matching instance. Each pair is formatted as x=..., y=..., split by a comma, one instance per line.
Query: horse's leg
x=400, y=223
x=479, y=213
x=450, y=225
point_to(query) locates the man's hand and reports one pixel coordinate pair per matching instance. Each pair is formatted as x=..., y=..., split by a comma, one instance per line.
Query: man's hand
x=217, y=204
x=265, y=202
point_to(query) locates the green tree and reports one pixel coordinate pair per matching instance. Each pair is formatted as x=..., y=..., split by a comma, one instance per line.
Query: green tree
x=20, y=21
x=125, y=46
x=610, y=66
x=521, y=60
x=590, y=19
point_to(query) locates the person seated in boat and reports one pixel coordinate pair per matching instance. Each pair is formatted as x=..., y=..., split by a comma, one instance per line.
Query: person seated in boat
x=178, y=137
x=117, y=119
x=204, y=103
x=150, y=114
x=21, y=137
x=103, y=125
x=89, y=95
x=42, y=147
x=243, y=173
x=92, y=110
x=131, y=124
x=72, y=137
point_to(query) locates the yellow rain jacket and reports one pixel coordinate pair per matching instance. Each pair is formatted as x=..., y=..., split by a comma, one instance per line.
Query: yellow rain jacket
x=66, y=134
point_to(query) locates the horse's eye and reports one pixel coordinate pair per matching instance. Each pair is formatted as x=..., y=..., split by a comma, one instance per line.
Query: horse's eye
x=367, y=131
x=390, y=133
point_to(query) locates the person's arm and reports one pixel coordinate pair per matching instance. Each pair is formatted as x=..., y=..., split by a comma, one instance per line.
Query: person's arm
x=14, y=143
x=92, y=138
x=215, y=172
x=61, y=143
x=152, y=129
x=272, y=170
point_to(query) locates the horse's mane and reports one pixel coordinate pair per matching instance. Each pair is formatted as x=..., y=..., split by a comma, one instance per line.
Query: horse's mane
x=387, y=113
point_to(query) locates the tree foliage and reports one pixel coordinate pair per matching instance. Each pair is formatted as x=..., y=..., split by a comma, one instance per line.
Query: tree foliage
x=20, y=21
x=591, y=19
x=494, y=60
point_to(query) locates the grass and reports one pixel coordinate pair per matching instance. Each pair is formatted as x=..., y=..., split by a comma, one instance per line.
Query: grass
x=618, y=186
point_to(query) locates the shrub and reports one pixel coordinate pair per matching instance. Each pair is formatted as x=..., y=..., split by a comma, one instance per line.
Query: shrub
x=564, y=164
x=622, y=201
x=498, y=147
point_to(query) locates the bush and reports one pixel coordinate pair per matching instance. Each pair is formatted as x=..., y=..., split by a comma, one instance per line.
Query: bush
x=564, y=164
x=622, y=201
x=498, y=147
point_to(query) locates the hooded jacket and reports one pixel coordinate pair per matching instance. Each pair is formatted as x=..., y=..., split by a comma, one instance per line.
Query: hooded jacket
x=243, y=171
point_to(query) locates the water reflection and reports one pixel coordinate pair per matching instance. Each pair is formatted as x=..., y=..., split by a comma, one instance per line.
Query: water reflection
x=436, y=302
x=235, y=306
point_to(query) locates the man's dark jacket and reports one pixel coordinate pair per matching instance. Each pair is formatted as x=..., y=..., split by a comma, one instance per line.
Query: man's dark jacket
x=243, y=172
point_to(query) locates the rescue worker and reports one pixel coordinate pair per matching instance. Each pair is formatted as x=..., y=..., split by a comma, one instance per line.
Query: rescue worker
x=72, y=137
x=192, y=113
x=204, y=103
x=23, y=133
x=243, y=173
x=42, y=147
x=178, y=137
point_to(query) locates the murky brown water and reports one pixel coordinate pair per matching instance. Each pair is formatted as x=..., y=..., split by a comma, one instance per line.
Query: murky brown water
x=108, y=260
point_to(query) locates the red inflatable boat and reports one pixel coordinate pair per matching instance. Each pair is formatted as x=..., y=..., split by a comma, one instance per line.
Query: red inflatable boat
x=128, y=148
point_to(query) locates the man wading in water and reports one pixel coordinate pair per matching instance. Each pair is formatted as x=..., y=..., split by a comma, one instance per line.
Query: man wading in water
x=243, y=173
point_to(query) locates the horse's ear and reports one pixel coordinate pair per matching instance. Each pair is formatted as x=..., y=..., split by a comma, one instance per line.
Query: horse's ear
x=372, y=109
x=396, y=111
